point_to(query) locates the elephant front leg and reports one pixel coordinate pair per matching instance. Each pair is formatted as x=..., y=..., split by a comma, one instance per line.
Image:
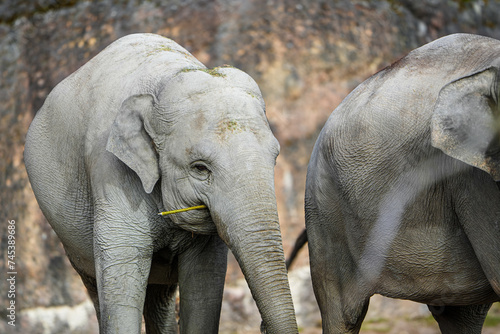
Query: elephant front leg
x=477, y=205
x=460, y=319
x=202, y=272
x=123, y=261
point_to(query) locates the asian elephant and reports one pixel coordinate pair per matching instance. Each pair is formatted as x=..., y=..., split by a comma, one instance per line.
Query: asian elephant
x=402, y=194
x=145, y=127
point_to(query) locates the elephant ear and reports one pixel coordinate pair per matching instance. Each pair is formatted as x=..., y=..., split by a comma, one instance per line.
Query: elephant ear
x=130, y=142
x=465, y=123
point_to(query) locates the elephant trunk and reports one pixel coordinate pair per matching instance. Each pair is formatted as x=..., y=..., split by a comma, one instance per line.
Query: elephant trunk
x=252, y=233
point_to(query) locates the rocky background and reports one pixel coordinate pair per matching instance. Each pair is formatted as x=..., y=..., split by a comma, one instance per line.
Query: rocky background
x=305, y=55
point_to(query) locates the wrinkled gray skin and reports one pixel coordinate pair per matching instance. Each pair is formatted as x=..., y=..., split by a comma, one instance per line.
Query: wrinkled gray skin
x=402, y=197
x=141, y=128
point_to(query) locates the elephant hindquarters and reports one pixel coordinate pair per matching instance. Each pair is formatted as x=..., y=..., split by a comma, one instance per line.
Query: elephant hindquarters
x=57, y=175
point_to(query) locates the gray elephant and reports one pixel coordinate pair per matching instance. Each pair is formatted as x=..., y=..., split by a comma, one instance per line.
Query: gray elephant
x=145, y=127
x=402, y=197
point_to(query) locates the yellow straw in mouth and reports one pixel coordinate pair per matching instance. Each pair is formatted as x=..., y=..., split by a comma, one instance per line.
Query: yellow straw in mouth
x=164, y=213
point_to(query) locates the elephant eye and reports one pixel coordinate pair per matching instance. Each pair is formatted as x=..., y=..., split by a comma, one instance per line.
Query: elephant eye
x=200, y=170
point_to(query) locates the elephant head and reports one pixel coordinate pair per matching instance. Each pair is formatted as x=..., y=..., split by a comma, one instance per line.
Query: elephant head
x=205, y=135
x=466, y=120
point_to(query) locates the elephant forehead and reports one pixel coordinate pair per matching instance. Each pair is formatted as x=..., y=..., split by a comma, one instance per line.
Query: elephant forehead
x=224, y=109
x=227, y=127
x=227, y=99
x=236, y=115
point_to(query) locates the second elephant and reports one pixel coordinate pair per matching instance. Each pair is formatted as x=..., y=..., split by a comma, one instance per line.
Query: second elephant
x=402, y=195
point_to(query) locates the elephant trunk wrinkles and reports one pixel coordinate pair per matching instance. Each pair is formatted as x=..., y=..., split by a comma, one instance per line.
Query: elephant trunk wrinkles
x=252, y=233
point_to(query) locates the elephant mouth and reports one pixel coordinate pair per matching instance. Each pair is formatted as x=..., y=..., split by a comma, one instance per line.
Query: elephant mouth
x=195, y=219
x=197, y=207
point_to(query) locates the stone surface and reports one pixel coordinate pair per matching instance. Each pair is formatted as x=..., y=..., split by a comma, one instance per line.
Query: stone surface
x=306, y=57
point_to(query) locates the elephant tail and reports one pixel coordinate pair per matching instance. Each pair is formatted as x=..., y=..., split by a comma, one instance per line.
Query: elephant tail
x=299, y=243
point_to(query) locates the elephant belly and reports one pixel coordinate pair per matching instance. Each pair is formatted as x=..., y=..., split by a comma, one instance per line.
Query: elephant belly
x=436, y=267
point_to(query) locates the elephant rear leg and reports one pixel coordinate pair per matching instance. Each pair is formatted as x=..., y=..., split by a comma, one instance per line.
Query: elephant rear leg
x=341, y=299
x=159, y=309
x=340, y=313
x=460, y=319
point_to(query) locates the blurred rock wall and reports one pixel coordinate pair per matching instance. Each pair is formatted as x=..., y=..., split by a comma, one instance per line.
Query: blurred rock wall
x=305, y=55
